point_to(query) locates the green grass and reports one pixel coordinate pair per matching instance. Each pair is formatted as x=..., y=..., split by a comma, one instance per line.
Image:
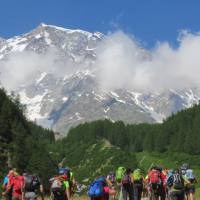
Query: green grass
x=168, y=160
x=97, y=159
x=197, y=196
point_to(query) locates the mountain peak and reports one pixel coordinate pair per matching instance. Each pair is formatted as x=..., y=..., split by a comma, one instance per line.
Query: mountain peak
x=58, y=28
x=43, y=25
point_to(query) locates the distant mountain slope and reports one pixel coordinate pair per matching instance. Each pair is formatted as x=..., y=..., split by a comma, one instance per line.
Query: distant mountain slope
x=95, y=148
x=179, y=133
x=62, y=99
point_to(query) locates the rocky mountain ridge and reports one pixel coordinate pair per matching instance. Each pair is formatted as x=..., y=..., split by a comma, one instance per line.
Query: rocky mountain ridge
x=75, y=96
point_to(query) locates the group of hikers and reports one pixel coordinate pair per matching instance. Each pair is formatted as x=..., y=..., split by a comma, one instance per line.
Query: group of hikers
x=26, y=186
x=19, y=187
x=123, y=184
x=158, y=184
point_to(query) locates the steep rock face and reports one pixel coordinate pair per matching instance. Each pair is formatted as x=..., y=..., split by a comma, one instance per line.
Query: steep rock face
x=75, y=96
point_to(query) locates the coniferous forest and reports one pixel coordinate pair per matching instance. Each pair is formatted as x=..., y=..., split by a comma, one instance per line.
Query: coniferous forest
x=23, y=144
x=179, y=133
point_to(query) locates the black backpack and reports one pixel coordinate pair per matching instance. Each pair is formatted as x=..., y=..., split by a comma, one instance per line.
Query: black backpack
x=31, y=183
x=126, y=180
x=178, y=181
x=111, y=177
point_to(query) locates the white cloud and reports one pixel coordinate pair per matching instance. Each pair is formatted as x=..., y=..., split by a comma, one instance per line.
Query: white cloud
x=121, y=63
x=19, y=67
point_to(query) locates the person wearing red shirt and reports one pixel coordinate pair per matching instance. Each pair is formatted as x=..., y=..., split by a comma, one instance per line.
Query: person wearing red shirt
x=16, y=183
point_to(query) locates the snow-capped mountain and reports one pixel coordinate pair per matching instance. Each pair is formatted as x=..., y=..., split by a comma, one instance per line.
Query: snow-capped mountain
x=75, y=96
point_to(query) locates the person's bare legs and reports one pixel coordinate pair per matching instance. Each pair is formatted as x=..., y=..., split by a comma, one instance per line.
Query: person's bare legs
x=191, y=196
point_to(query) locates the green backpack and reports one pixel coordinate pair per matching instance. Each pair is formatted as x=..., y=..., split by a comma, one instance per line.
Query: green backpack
x=137, y=176
x=120, y=173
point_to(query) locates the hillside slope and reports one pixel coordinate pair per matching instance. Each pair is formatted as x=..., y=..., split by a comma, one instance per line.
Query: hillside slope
x=97, y=147
x=23, y=145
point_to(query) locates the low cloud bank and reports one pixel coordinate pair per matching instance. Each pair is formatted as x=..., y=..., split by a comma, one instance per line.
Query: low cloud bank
x=121, y=63
x=20, y=67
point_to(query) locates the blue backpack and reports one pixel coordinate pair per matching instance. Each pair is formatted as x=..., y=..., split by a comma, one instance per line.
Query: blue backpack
x=96, y=188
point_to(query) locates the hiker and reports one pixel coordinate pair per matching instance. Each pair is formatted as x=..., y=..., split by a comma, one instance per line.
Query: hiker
x=100, y=190
x=147, y=185
x=155, y=182
x=137, y=184
x=68, y=188
x=190, y=180
x=118, y=177
x=112, y=178
x=70, y=182
x=163, y=176
x=61, y=185
x=146, y=188
x=31, y=186
x=15, y=184
x=169, y=182
x=177, y=186
x=8, y=195
x=57, y=188
x=127, y=185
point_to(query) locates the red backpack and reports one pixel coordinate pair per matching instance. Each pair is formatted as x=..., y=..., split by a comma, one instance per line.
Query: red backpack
x=154, y=177
x=17, y=183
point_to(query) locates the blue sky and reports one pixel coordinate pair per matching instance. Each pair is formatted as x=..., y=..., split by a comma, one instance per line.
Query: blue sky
x=148, y=20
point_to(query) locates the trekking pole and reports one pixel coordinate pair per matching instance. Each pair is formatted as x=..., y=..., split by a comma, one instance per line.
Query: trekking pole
x=142, y=160
x=150, y=166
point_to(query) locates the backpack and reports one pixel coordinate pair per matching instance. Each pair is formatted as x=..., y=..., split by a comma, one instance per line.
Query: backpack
x=96, y=189
x=56, y=183
x=137, y=176
x=154, y=177
x=126, y=180
x=111, y=177
x=184, y=168
x=17, y=183
x=190, y=175
x=57, y=187
x=170, y=180
x=120, y=173
x=31, y=183
x=178, y=181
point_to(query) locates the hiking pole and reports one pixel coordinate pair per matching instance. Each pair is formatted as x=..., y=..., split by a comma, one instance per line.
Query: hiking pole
x=142, y=160
x=150, y=166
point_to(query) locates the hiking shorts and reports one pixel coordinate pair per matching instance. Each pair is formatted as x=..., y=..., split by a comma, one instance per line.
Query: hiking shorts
x=30, y=196
x=190, y=189
x=8, y=196
x=58, y=194
x=156, y=188
x=16, y=198
x=177, y=195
